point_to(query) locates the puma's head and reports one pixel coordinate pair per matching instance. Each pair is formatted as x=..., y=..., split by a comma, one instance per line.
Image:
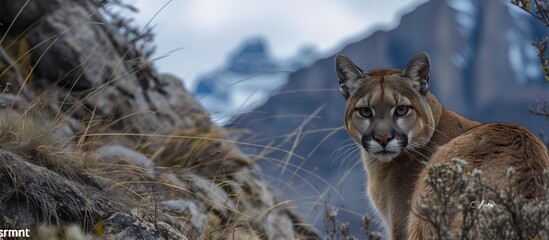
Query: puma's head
x=387, y=110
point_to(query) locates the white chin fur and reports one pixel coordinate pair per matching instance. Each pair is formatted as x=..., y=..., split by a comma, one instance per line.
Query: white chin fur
x=385, y=157
x=376, y=150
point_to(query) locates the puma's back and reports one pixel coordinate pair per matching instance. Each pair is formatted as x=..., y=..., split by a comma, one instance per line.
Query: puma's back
x=493, y=149
x=401, y=128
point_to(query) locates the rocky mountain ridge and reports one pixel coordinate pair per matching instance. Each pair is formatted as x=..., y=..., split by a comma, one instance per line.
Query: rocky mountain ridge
x=247, y=80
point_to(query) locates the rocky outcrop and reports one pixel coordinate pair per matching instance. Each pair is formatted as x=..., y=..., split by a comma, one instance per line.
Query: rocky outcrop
x=92, y=135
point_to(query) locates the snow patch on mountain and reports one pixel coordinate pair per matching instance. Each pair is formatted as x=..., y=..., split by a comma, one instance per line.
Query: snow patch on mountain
x=466, y=12
x=232, y=93
x=459, y=60
x=522, y=55
x=248, y=79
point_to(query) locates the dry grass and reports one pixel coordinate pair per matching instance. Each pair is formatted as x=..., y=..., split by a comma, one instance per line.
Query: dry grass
x=503, y=215
x=55, y=134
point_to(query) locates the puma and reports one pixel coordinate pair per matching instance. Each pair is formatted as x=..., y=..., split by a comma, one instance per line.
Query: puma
x=401, y=129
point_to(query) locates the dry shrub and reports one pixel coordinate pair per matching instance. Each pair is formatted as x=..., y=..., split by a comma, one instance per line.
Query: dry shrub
x=484, y=212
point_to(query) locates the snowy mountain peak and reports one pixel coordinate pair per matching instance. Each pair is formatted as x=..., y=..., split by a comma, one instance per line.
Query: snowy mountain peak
x=252, y=56
x=249, y=77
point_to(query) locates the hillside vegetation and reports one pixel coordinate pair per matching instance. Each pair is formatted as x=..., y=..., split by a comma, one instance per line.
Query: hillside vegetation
x=91, y=135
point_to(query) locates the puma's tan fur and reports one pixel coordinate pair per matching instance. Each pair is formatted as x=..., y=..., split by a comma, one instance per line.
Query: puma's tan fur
x=398, y=125
x=491, y=148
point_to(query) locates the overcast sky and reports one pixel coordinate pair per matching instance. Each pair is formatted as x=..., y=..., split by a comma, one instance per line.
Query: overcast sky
x=208, y=30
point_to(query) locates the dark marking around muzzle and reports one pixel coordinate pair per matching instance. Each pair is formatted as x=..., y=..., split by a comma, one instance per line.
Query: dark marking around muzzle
x=365, y=141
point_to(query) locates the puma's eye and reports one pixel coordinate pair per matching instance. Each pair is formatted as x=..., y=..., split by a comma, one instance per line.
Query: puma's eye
x=365, y=112
x=401, y=111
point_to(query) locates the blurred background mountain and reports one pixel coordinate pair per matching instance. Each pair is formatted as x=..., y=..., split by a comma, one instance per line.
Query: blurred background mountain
x=247, y=80
x=483, y=67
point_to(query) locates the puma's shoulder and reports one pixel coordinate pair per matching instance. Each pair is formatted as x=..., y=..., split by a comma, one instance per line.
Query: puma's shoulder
x=450, y=126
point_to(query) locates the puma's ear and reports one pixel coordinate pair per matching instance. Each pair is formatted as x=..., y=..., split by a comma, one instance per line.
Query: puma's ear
x=418, y=71
x=348, y=74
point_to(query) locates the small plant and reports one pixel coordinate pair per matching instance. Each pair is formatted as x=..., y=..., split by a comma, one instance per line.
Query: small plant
x=540, y=11
x=336, y=230
x=142, y=38
x=486, y=213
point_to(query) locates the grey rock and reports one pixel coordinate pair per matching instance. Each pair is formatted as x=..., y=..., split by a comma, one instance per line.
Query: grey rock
x=22, y=14
x=117, y=152
x=198, y=212
x=125, y=226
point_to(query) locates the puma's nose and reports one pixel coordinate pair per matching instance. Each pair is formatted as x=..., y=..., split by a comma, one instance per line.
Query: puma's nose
x=383, y=139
